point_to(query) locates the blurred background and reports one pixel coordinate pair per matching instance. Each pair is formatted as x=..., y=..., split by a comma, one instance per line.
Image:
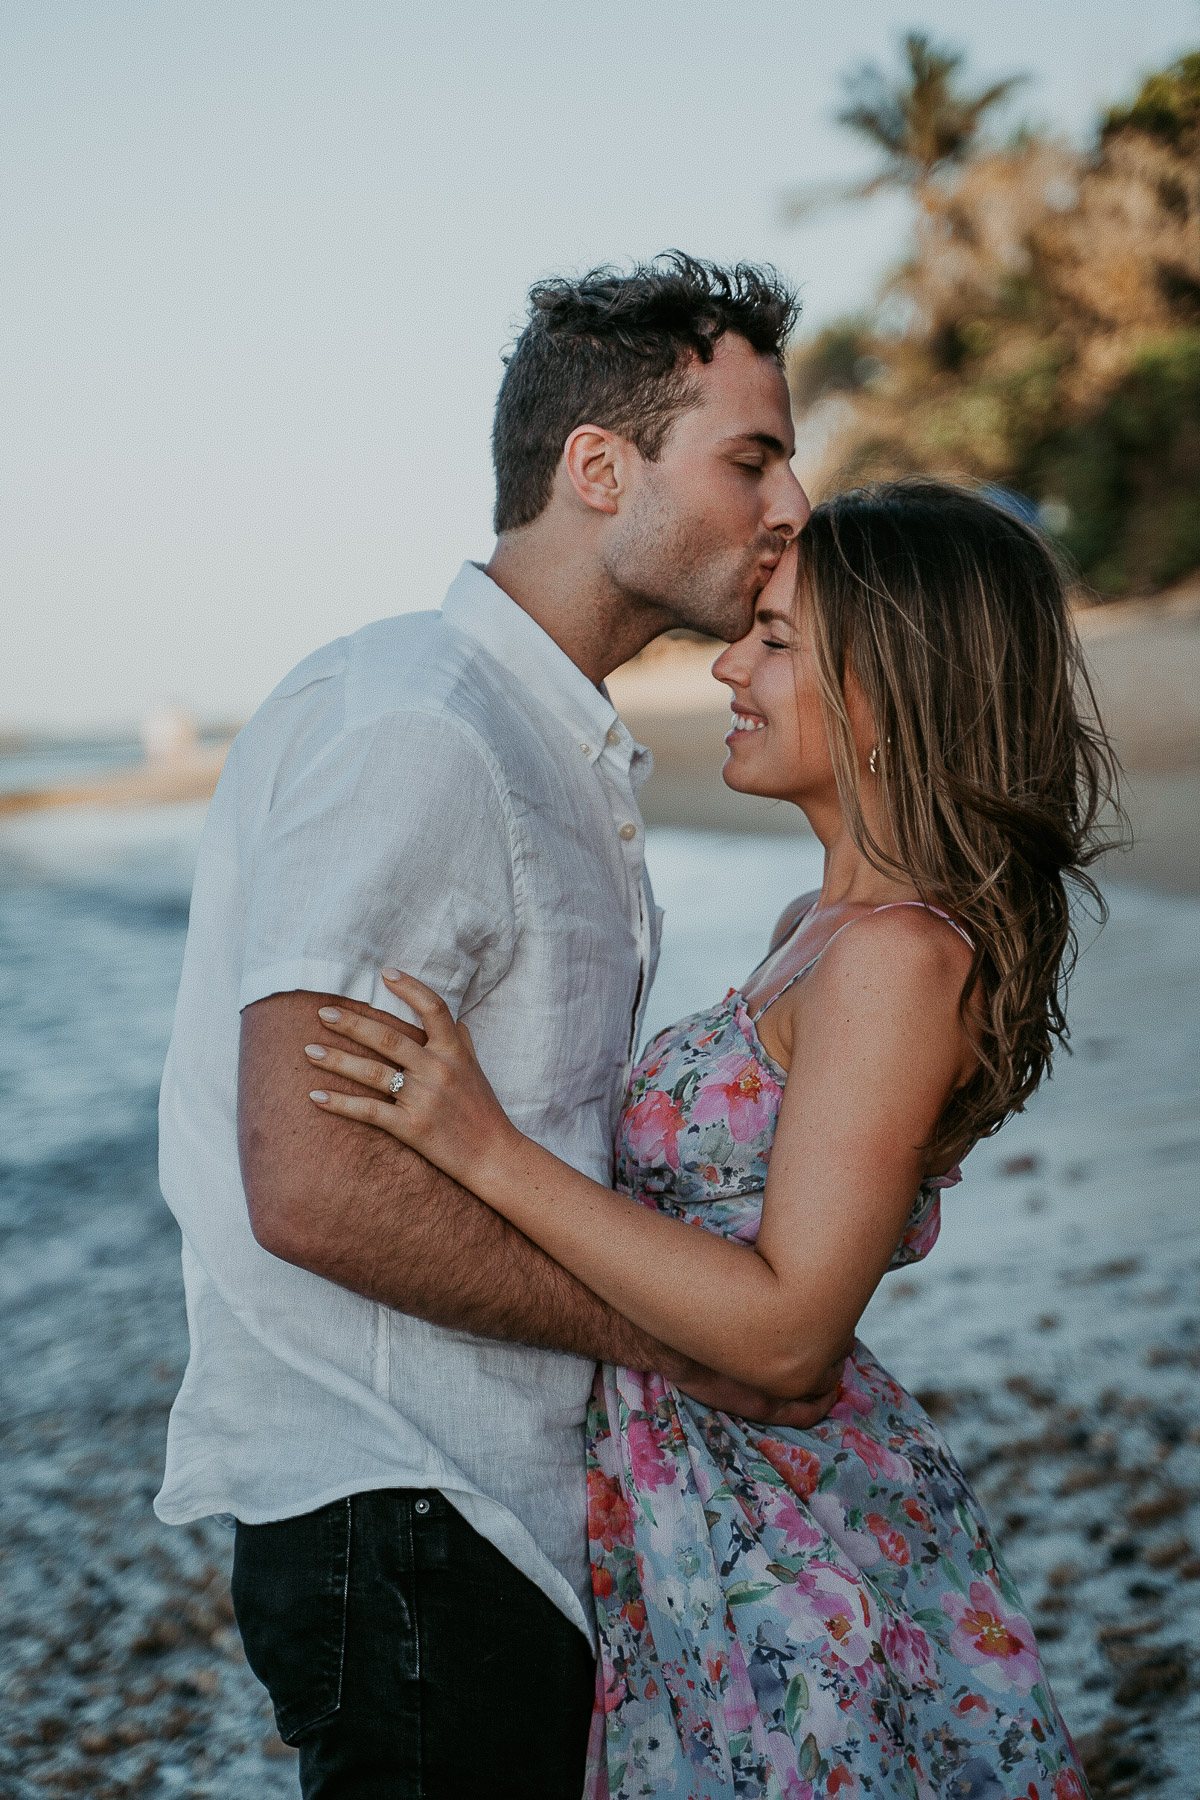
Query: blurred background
x=262, y=262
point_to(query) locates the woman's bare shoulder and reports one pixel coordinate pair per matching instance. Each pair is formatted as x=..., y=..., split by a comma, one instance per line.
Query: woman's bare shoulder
x=790, y=916
x=909, y=951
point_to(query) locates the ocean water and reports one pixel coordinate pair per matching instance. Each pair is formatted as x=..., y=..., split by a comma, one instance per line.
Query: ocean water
x=29, y=768
x=1054, y=1329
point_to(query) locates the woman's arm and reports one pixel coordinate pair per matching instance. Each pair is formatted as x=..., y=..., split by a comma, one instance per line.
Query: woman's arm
x=879, y=1051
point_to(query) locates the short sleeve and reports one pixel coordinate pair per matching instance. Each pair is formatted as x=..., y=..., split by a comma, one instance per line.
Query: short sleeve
x=392, y=847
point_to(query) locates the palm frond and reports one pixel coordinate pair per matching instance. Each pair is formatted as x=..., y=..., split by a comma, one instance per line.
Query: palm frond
x=798, y=203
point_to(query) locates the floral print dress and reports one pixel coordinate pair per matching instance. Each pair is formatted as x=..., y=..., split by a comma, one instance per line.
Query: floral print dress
x=787, y=1614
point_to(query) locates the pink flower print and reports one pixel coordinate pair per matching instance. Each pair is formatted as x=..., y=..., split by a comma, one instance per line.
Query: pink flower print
x=651, y=1130
x=852, y=1396
x=785, y=1515
x=608, y=1515
x=1068, y=1786
x=917, y=1513
x=740, y=1091
x=653, y=1466
x=616, y=1694
x=985, y=1636
x=840, y=1607
x=908, y=1650
x=920, y=1238
x=840, y=1778
x=890, y=1541
x=798, y=1467
x=879, y=1459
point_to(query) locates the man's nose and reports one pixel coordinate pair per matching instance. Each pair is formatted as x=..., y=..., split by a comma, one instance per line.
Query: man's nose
x=790, y=510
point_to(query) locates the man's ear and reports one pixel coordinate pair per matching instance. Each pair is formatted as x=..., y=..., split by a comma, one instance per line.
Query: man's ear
x=593, y=458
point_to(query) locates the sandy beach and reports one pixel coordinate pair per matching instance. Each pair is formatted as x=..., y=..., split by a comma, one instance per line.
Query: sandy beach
x=1054, y=1331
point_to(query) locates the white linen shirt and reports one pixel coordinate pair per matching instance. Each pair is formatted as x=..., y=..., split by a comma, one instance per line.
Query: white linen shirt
x=445, y=792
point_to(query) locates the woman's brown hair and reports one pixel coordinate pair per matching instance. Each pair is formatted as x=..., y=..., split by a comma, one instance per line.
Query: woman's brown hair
x=992, y=764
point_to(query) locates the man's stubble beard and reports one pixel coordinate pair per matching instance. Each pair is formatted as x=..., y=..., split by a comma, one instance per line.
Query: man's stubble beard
x=664, y=564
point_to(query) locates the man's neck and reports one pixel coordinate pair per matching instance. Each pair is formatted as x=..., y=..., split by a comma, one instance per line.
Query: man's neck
x=574, y=602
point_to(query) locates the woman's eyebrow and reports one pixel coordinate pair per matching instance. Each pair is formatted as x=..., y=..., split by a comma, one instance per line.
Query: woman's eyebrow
x=764, y=616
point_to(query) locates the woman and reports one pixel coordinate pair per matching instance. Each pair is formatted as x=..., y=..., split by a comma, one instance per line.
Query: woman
x=789, y=1613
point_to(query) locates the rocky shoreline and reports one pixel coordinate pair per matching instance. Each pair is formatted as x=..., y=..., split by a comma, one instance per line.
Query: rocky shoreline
x=1053, y=1332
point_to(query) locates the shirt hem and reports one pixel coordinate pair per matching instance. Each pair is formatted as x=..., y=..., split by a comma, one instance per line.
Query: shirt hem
x=465, y=1501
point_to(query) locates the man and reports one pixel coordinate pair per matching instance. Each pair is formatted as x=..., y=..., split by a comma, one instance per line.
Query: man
x=387, y=1383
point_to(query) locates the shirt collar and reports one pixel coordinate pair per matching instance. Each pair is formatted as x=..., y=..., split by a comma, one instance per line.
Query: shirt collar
x=476, y=605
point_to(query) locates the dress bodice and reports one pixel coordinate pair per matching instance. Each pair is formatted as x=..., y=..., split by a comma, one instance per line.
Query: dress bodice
x=698, y=1123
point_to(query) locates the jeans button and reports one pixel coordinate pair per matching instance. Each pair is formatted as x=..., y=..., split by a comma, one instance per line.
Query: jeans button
x=421, y=1508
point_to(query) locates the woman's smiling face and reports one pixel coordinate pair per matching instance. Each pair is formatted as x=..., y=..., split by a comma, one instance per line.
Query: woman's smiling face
x=778, y=744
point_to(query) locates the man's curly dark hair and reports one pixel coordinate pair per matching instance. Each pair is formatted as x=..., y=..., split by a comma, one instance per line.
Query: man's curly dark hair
x=619, y=350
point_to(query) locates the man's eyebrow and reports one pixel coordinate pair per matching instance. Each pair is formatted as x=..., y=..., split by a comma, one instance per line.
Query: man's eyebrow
x=766, y=439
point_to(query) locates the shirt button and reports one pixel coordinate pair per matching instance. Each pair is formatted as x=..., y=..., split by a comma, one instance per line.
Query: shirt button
x=628, y=831
x=614, y=736
x=586, y=748
x=421, y=1508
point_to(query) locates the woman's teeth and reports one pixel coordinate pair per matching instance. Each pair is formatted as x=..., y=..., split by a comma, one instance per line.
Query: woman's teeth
x=743, y=722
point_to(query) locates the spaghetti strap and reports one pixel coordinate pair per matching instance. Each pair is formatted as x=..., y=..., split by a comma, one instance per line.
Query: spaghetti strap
x=787, y=984
x=925, y=907
x=923, y=904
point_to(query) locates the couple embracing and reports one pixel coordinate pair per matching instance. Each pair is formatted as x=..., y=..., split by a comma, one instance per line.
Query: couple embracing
x=528, y=1368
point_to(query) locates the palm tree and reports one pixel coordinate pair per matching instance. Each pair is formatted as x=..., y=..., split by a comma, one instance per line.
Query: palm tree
x=921, y=122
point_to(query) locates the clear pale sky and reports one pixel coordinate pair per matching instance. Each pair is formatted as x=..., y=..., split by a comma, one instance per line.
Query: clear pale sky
x=263, y=256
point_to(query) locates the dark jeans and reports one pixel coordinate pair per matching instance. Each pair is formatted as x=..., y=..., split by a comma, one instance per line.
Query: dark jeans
x=407, y=1659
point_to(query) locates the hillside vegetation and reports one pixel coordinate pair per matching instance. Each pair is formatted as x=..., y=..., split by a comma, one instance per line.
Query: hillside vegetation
x=1044, y=333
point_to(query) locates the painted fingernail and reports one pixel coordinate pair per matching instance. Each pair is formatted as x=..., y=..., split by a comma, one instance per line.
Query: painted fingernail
x=391, y=974
x=319, y=1095
x=330, y=1014
x=317, y=1050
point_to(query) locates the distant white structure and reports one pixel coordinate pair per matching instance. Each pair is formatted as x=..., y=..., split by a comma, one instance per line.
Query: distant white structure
x=168, y=734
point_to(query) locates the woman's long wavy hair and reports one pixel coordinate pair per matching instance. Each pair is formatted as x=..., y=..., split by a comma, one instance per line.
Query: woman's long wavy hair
x=993, y=767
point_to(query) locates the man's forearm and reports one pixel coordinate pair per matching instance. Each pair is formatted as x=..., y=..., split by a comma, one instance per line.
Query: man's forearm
x=361, y=1210
x=429, y=1248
